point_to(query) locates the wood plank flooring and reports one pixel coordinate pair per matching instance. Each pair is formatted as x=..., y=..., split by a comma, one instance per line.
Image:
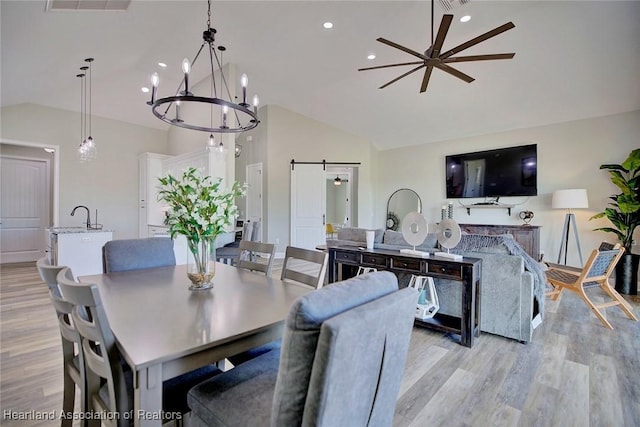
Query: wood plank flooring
x=574, y=373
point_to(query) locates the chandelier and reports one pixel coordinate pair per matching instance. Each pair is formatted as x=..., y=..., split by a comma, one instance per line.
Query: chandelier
x=223, y=115
x=87, y=150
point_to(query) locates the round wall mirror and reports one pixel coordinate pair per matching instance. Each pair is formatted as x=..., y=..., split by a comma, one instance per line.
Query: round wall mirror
x=400, y=203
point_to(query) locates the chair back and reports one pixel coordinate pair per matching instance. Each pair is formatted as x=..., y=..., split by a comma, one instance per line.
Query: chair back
x=101, y=355
x=601, y=263
x=320, y=382
x=135, y=254
x=247, y=252
x=49, y=274
x=310, y=269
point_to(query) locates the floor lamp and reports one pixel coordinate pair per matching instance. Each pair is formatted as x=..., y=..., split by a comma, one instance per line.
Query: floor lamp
x=569, y=199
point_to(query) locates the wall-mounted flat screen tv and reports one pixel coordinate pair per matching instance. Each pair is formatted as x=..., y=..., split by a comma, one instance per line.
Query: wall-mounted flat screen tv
x=494, y=173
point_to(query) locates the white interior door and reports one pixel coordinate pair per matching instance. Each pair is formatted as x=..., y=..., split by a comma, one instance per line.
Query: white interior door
x=254, y=192
x=24, y=208
x=308, y=194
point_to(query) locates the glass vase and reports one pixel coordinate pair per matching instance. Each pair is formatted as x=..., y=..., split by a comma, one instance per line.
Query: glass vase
x=201, y=264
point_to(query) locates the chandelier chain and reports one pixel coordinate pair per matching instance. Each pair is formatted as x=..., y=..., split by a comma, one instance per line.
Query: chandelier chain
x=209, y=14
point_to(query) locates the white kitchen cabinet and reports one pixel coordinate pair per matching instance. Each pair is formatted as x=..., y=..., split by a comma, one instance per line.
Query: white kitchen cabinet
x=81, y=251
x=180, y=246
x=150, y=209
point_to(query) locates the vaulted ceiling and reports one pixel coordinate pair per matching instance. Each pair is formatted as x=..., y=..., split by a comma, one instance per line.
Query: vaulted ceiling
x=574, y=60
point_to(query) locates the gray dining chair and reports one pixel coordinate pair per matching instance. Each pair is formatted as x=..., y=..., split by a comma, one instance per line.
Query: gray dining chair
x=49, y=273
x=135, y=254
x=228, y=254
x=73, y=367
x=249, y=252
x=305, y=266
x=247, y=260
x=109, y=379
x=342, y=360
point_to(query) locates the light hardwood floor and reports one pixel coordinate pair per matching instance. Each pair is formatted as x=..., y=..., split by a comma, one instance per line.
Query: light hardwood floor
x=574, y=373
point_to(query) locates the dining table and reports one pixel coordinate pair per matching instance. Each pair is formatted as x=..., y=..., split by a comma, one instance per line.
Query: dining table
x=163, y=329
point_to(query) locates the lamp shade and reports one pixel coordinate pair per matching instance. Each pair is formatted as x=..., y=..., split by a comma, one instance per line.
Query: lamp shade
x=575, y=198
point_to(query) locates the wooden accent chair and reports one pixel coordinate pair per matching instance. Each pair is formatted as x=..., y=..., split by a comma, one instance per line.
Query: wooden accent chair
x=247, y=251
x=596, y=272
x=315, y=275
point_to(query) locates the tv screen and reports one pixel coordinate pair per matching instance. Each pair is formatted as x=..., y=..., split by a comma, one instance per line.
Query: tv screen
x=494, y=173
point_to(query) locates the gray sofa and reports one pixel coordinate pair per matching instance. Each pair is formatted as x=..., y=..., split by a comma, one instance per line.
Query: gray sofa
x=512, y=283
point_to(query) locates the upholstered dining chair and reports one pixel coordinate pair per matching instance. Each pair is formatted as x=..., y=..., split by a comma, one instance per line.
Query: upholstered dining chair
x=248, y=251
x=135, y=254
x=343, y=355
x=595, y=273
x=109, y=379
x=73, y=368
x=305, y=266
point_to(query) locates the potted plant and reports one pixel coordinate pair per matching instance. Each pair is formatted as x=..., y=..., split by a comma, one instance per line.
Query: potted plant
x=624, y=213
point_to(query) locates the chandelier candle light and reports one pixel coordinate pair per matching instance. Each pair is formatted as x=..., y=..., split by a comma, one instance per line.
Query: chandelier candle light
x=234, y=117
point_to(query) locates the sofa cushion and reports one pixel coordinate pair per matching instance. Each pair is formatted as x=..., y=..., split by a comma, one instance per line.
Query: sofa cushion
x=359, y=234
x=395, y=238
x=302, y=331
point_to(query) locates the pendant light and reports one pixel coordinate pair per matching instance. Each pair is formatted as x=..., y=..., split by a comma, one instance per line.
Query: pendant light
x=87, y=150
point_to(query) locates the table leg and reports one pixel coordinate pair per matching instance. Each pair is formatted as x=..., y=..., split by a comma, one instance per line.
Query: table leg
x=148, y=397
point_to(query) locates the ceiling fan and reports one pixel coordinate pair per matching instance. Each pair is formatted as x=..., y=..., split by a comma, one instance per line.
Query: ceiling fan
x=433, y=57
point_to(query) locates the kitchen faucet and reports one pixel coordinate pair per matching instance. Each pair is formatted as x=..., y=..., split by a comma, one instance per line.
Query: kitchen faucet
x=88, y=215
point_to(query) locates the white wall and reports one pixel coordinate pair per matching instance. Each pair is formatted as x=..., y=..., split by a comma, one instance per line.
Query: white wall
x=110, y=183
x=183, y=140
x=569, y=156
x=293, y=136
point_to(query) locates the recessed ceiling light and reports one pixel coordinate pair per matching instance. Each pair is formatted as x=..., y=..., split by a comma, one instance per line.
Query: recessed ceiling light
x=162, y=64
x=371, y=56
x=145, y=89
x=465, y=18
x=328, y=25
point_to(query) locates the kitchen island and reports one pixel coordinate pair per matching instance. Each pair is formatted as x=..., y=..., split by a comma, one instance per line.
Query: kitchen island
x=79, y=248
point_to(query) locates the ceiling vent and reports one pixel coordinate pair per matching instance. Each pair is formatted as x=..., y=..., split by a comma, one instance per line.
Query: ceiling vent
x=57, y=5
x=448, y=5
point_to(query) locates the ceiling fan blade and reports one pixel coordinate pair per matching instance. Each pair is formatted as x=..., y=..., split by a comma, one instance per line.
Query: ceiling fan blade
x=390, y=65
x=459, y=74
x=479, y=39
x=479, y=57
x=442, y=33
x=402, y=48
x=425, y=79
x=399, y=77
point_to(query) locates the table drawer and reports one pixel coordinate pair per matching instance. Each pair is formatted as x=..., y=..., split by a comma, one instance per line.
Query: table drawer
x=347, y=257
x=414, y=265
x=445, y=270
x=375, y=260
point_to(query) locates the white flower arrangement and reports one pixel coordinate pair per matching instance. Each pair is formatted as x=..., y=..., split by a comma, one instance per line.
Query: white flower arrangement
x=198, y=206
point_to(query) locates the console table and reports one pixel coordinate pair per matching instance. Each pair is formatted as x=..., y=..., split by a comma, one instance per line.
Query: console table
x=527, y=236
x=467, y=272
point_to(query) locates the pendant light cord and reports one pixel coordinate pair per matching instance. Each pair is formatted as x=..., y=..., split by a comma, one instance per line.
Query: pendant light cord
x=432, y=23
